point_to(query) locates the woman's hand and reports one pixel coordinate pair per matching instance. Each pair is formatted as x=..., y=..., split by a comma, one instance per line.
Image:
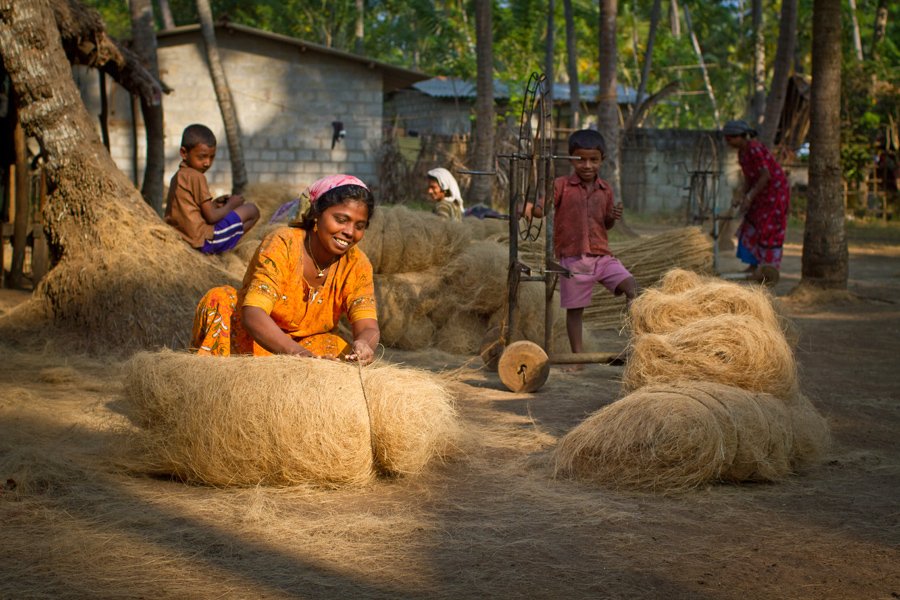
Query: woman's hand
x=362, y=352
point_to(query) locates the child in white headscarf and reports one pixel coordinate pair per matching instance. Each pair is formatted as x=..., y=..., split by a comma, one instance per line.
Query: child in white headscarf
x=444, y=192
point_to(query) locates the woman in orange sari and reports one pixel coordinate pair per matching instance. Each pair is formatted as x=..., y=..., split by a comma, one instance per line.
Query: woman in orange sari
x=299, y=283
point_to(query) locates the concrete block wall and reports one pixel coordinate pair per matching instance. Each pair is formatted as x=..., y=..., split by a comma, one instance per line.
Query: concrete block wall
x=656, y=169
x=285, y=101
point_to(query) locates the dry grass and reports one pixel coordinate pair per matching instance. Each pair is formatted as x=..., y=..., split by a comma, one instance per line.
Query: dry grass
x=283, y=421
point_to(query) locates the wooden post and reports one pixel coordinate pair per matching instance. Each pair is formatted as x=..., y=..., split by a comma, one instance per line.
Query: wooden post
x=40, y=252
x=23, y=217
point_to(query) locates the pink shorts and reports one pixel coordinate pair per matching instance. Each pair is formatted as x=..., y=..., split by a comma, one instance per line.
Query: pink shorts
x=575, y=291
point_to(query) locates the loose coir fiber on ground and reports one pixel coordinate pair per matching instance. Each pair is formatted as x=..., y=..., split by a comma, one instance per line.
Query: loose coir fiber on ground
x=282, y=420
x=680, y=435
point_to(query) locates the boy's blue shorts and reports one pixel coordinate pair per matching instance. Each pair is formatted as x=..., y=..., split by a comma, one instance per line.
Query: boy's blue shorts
x=226, y=235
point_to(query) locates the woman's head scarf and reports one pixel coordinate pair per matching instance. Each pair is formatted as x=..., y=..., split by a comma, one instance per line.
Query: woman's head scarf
x=448, y=184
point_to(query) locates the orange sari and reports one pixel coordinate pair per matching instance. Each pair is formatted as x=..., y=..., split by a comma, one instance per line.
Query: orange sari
x=274, y=282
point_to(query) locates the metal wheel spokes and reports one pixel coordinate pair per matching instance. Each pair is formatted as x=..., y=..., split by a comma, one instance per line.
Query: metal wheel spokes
x=531, y=162
x=704, y=184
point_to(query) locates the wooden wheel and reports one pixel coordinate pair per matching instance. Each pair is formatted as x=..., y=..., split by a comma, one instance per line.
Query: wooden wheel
x=523, y=367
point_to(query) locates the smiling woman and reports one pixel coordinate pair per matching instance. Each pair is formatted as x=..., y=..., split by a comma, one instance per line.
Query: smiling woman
x=299, y=283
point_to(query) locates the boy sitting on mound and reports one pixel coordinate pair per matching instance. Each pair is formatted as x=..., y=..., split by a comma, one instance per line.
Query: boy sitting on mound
x=584, y=211
x=210, y=225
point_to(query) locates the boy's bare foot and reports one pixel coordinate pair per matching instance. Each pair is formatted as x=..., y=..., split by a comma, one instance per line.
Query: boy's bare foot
x=572, y=368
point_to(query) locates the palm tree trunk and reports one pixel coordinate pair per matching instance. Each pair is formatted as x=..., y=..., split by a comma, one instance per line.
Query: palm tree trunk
x=144, y=36
x=857, y=39
x=166, y=14
x=483, y=155
x=878, y=31
x=758, y=100
x=572, y=66
x=608, y=108
x=118, y=264
x=702, y=63
x=360, y=26
x=825, y=258
x=787, y=37
x=223, y=95
x=645, y=68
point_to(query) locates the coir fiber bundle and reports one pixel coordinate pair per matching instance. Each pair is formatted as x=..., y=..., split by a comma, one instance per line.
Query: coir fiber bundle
x=812, y=436
x=736, y=350
x=404, y=303
x=658, y=311
x=676, y=436
x=282, y=420
x=400, y=240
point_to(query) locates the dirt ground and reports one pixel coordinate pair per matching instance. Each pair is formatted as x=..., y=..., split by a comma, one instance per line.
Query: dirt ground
x=492, y=523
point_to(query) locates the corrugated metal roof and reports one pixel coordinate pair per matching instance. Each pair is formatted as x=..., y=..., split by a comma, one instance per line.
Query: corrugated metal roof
x=453, y=87
x=394, y=77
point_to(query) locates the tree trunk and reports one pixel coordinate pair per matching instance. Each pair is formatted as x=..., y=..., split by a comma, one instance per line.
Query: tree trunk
x=482, y=185
x=608, y=108
x=702, y=63
x=549, y=48
x=857, y=39
x=124, y=279
x=360, y=26
x=166, y=14
x=878, y=31
x=825, y=259
x=223, y=95
x=674, y=19
x=144, y=36
x=645, y=68
x=572, y=66
x=784, y=54
x=758, y=100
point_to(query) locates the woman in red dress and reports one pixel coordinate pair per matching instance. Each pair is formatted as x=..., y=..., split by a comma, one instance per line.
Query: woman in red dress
x=767, y=195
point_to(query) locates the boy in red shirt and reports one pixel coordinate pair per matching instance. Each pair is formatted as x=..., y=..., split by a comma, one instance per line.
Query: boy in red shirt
x=210, y=225
x=584, y=210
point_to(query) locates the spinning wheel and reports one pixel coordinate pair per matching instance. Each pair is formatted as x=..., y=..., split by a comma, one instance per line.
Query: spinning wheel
x=704, y=184
x=531, y=164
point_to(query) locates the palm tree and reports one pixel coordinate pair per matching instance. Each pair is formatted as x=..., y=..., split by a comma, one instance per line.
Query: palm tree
x=483, y=155
x=825, y=258
x=117, y=262
x=143, y=34
x=608, y=108
x=572, y=65
x=784, y=56
x=223, y=95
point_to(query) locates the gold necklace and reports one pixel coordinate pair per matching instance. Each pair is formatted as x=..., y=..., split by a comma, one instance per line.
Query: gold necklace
x=320, y=272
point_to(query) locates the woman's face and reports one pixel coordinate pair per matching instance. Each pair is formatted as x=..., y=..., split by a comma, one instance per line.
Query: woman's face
x=341, y=226
x=735, y=141
x=434, y=191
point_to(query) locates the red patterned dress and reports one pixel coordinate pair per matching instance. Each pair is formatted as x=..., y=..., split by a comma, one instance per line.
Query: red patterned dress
x=761, y=234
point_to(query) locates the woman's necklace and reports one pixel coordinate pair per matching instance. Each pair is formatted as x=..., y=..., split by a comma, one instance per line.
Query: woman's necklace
x=320, y=271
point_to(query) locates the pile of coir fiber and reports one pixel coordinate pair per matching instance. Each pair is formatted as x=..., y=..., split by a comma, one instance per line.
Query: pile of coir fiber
x=714, y=395
x=281, y=420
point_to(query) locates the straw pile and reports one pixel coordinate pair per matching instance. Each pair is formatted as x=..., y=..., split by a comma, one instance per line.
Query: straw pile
x=282, y=420
x=714, y=395
x=677, y=436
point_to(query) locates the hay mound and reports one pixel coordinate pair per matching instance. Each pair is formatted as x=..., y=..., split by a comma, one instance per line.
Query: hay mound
x=676, y=436
x=736, y=350
x=283, y=421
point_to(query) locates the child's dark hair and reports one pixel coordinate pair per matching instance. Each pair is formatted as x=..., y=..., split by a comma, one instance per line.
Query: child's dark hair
x=334, y=196
x=197, y=134
x=587, y=139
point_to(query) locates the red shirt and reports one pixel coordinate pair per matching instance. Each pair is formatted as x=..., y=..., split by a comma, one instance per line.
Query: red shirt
x=582, y=214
